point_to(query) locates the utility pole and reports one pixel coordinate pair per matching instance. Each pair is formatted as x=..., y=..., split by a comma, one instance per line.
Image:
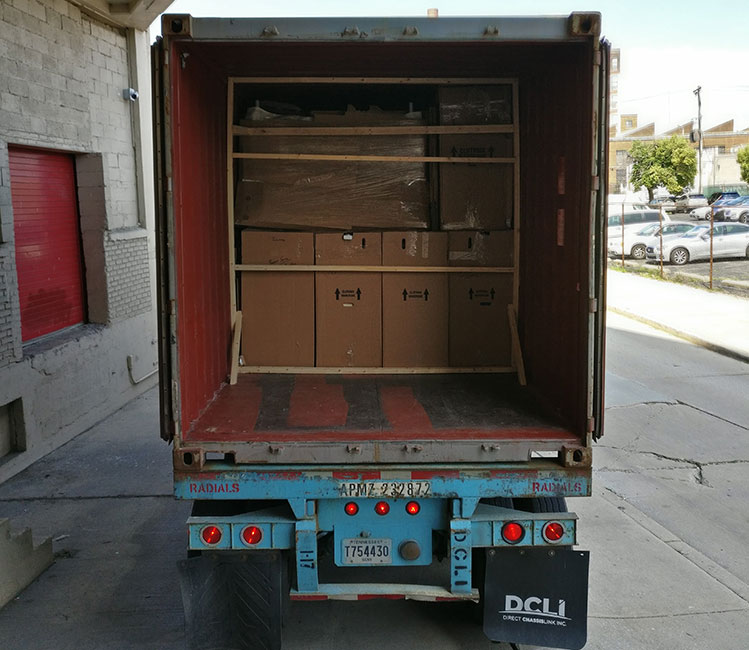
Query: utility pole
x=699, y=135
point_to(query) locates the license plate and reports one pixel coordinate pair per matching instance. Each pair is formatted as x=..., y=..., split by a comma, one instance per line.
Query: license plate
x=358, y=550
x=385, y=489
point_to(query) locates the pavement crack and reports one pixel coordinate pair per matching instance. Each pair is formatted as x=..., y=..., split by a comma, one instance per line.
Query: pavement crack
x=636, y=617
x=713, y=415
x=87, y=498
x=700, y=477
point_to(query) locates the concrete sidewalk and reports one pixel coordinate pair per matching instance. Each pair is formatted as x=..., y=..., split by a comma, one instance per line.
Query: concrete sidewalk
x=714, y=320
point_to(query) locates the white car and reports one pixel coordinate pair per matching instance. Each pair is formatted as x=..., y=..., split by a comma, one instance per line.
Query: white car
x=729, y=240
x=636, y=243
x=633, y=221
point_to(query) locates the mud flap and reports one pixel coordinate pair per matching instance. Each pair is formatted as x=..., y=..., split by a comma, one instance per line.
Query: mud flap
x=537, y=597
x=234, y=601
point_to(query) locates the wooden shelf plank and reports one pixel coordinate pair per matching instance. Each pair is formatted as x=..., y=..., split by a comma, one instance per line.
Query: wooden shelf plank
x=415, y=81
x=305, y=370
x=324, y=268
x=372, y=130
x=361, y=158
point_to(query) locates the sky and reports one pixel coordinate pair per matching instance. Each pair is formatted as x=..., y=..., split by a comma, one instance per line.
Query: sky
x=668, y=48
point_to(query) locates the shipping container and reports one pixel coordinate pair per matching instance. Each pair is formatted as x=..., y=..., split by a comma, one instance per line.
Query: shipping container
x=381, y=280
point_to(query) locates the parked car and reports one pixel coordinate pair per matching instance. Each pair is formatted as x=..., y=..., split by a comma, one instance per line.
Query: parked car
x=729, y=240
x=636, y=243
x=735, y=210
x=705, y=211
x=668, y=203
x=687, y=202
x=717, y=196
x=633, y=221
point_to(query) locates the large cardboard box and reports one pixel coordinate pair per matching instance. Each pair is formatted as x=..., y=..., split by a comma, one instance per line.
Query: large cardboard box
x=343, y=195
x=349, y=305
x=481, y=248
x=479, y=324
x=476, y=104
x=476, y=196
x=278, y=308
x=414, y=305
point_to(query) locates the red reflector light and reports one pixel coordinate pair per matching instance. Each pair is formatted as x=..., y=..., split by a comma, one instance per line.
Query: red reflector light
x=382, y=508
x=351, y=508
x=413, y=508
x=252, y=535
x=211, y=535
x=553, y=531
x=512, y=532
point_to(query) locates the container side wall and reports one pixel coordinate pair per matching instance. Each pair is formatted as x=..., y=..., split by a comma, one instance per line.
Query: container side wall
x=202, y=262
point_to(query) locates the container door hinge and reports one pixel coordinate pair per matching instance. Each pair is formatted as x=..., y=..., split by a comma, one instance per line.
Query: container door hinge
x=596, y=183
x=591, y=425
x=593, y=305
x=597, y=58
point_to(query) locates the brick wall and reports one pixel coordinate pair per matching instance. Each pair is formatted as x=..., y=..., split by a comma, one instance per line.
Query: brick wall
x=61, y=79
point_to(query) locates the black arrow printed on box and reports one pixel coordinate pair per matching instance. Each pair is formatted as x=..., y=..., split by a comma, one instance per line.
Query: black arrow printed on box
x=337, y=294
x=358, y=294
x=426, y=294
x=470, y=294
x=405, y=295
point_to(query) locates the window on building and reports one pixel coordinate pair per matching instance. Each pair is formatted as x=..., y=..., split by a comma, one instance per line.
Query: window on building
x=49, y=258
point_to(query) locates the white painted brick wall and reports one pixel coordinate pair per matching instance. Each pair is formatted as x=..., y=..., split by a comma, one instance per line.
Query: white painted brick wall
x=61, y=80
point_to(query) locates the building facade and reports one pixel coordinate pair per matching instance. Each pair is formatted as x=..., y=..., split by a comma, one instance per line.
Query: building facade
x=77, y=270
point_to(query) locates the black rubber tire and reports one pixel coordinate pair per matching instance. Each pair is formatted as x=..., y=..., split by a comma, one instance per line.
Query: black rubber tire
x=542, y=504
x=638, y=252
x=744, y=217
x=679, y=256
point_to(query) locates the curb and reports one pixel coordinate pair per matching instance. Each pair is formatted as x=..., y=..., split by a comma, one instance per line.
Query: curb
x=713, y=347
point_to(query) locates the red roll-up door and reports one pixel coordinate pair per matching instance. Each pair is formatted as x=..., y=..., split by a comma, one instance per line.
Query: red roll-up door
x=49, y=259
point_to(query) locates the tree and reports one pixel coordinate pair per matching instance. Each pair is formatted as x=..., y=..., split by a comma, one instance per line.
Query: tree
x=742, y=157
x=670, y=163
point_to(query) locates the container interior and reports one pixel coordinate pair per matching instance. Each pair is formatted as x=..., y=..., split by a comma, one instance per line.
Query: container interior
x=555, y=95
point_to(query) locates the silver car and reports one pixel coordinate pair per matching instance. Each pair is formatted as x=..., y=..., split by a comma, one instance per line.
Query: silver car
x=735, y=210
x=729, y=240
x=636, y=243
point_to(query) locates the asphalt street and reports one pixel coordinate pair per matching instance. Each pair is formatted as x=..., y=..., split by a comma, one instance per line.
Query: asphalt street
x=666, y=527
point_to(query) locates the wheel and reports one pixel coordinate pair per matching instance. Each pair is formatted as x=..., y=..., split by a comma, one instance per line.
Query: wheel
x=744, y=217
x=638, y=252
x=679, y=256
x=542, y=504
x=747, y=252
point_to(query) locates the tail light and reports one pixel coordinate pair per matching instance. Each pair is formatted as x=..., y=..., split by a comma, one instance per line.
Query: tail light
x=553, y=532
x=413, y=508
x=252, y=535
x=512, y=532
x=382, y=508
x=351, y=508
x=211, y=535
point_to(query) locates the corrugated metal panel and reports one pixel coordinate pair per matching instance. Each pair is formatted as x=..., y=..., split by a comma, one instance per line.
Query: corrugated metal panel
x=49, y=260
x=201, y=232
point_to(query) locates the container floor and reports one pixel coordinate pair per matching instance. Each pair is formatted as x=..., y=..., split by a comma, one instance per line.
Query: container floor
x=374, y=407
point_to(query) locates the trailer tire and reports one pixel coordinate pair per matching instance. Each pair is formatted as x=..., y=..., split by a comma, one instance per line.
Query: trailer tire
x=542, y=504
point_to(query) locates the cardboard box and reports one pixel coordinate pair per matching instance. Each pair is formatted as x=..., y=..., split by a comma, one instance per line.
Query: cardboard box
x=481, y=248
x=414, y=305
x=349, y=305
x=318, y=194
x=278, y=308
x=476, y=104
x=407, y=248
x=477, y=196
x=479, y=324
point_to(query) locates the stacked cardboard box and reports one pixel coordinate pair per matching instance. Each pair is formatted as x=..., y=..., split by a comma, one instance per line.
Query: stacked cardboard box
x=333, y=195
x=278, y=308
x=476, y=196
x=414, y=305
x=479, y=323
x=349, y=304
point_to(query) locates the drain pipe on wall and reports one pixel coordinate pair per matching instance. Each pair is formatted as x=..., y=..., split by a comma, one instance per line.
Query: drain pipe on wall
x=133, y=380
